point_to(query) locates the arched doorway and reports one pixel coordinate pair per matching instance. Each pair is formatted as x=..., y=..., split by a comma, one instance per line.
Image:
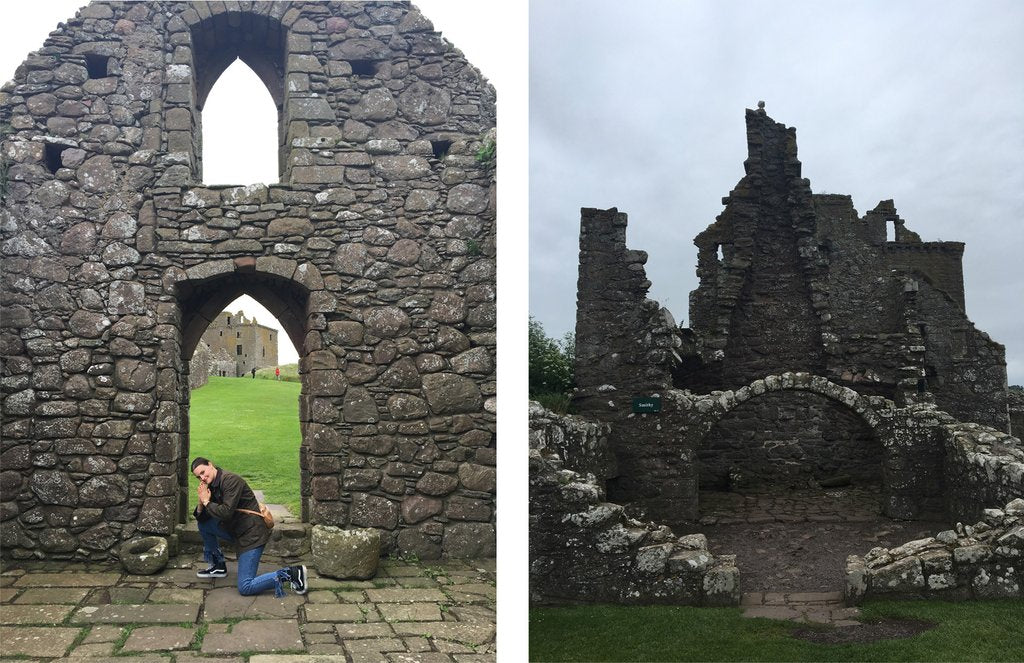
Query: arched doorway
x=200, y=302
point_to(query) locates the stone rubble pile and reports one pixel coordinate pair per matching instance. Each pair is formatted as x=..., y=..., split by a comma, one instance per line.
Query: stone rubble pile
x=980, y=561
x=583, y=548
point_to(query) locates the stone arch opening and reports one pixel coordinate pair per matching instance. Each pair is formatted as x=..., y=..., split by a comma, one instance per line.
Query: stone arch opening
x=257, y=40
x=199, y=303
x=789, y=433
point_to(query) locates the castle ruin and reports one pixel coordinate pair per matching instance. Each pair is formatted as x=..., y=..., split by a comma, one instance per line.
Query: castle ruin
x=818, y=351
x=247, y=344
x=375, y=251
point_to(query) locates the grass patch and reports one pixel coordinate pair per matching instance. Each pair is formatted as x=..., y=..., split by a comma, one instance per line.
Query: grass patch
x=250, y=427
x=968, y=631
x=289, y=373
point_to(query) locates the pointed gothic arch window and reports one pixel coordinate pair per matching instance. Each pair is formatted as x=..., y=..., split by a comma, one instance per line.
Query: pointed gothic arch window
x=247, y=52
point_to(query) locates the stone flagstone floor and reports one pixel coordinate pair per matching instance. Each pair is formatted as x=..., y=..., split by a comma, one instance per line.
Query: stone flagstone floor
x=441, y=611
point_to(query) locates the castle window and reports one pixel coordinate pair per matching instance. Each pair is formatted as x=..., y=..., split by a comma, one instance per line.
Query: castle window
x=97, y=65
x=229, y=321
x=264, y=352
x=238, y=334
x=220, y=333
x=238, y=350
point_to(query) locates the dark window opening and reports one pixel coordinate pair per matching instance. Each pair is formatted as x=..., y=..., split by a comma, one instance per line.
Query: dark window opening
x=229, y=322
x=238, y=334
x=53, y=155
x=264, y=352
x=97, y=65
x=364, y=68
x=238, y=349
x=441, y=148
x=221, y=333
x=922, y=385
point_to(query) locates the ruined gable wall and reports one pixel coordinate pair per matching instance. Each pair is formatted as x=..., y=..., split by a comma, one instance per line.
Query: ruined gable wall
x=940, y=262
x=965, y=369
x=756, y=309
x=378, y=252
x=625, y=344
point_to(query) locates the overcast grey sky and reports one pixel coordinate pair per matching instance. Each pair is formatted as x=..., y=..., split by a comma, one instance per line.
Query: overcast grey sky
x=640, y=106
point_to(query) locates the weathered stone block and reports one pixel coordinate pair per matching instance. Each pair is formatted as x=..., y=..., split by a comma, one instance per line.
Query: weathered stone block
x=345, y=554
x=144, y=556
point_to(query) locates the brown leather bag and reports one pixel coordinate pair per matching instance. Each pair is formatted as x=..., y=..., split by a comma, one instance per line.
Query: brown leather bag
x=264, y=513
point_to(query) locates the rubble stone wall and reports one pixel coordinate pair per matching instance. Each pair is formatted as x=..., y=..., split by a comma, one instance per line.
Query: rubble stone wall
x=583, y=548
x=983, y=467
x=980, y=561
x=376, y=252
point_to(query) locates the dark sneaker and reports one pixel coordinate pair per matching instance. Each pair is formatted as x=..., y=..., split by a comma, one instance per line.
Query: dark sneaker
x=215, y=571
x=298, y=578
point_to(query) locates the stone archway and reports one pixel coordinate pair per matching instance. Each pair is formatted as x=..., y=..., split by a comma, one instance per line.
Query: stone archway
x=204, y=292
x=790, y=431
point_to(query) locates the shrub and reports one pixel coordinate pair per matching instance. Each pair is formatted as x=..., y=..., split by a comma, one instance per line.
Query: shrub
x=551, y=368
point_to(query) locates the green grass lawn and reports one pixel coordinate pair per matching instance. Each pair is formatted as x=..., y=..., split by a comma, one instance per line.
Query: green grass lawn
x=250, y=427
x=969, y=631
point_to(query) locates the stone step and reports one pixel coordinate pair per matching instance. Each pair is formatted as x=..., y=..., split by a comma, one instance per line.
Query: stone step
x=287, y=539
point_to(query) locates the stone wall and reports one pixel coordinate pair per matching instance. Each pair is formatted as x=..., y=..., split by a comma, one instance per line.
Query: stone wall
x=376, y=252
x=200, y=366
x=789, y=439
x=583, y=548
x=983, y=467
x=624, y=341
x=980, y=561
x=582, y=445
x=1015, y=405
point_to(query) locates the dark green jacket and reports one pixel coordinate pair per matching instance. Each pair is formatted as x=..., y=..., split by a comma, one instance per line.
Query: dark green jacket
x=229, y=492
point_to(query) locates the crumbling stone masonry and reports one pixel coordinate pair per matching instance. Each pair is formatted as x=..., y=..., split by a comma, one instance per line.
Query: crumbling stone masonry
x=375, y=251
x=791, y=284
x=980, y=561
x=585, y=548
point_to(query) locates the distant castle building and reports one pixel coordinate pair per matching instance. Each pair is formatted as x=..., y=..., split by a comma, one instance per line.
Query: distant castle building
x=238, y=344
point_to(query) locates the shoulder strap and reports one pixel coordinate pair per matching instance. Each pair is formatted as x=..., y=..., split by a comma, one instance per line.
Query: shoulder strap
x=255, y=513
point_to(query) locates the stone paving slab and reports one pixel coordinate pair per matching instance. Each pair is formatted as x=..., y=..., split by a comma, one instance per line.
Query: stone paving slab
x=150, y=613
x=35, y=614
x=102, y=650
x=337, y=620
x=38, y=641
x=410, y=612
x=404, y=595
x=262, y=635
x=292, y=658
x=52, y=595
x=68, y=580
x=175, y=595
x=421, y=657
x=227, y=603
x=334, y=612
x=159, y=638
x=474, y=634
x=357, y=631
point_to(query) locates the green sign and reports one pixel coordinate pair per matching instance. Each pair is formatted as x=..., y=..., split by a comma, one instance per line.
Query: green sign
x=644, y=404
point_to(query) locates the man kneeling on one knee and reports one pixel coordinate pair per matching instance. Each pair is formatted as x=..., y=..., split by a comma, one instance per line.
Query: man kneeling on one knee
x=223, y=499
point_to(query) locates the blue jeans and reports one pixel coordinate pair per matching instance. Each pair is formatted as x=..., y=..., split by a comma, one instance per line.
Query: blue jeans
x=248, y=562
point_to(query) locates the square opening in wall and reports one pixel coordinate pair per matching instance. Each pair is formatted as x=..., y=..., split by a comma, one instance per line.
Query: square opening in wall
x=440, y=148
x=97, y=65
x=363, y=68
x=53, y=156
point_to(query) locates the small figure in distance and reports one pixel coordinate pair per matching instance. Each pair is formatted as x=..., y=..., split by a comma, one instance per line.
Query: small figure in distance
x=277, y=373
x=223, y=499
x=253, y=372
